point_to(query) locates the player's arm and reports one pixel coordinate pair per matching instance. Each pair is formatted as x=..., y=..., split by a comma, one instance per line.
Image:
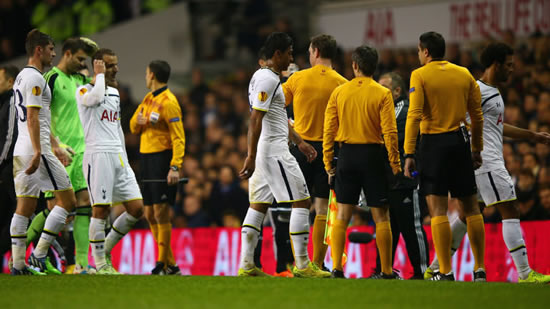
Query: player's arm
x=33, y=125
x=412, y=126
x=95, y=96
x=254, y=131
x=519, y=133
x=61, y=153
x=303, y=146
x=389, y=130
x=122, y=139
x=330, y=129
x=173, y=118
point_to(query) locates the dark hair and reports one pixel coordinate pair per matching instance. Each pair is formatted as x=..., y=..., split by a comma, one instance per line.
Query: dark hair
x=10, y=71
x=495, y=52
x=76, y=44
x=261, y=54
x=36, y=38
x=396, y=81
x=276, y=41
x=100, y=53
x=161, y=70
x=326, y=45
x=435, y=43
x=366, y=58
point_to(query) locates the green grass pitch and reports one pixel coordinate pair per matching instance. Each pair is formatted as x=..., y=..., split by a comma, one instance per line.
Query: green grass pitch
x=72, y=291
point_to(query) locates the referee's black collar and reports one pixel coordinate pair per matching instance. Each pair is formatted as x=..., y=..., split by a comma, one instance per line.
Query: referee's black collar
x=159, y=91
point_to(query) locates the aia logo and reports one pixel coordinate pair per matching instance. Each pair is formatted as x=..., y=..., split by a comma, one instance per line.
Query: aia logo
x=109, y=116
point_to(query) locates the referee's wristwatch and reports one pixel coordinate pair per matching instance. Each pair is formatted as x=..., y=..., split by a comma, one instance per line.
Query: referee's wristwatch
x=174, y=168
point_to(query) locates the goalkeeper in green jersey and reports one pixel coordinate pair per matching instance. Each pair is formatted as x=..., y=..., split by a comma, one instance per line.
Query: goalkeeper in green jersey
x=63, y=81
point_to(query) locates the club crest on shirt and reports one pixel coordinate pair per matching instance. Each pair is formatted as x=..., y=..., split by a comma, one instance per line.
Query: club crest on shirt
x=262, y=96
x=36, y=91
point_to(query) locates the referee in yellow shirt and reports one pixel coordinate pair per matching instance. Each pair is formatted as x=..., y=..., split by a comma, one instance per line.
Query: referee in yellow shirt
x=162, y=145
x=358, y=114
x=308, y=91
x=440, y=95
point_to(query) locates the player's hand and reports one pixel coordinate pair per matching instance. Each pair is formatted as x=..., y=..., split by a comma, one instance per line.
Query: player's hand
x=410, y=167
x=35, y=163
x=173, y=177
x=248, y=168
x=308, y=151
x=63, y=155
x=476, y=159
x=331, y=177
x=99, y=67
x=141, y=120
x=542, y=138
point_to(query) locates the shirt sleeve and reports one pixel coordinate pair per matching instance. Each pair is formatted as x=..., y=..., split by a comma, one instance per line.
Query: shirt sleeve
x=476, y=116
x=93, y=97
x=414, y=116
x=289, y=88
x=330, y=130
x=172, y=116
x=389, y=130
x=263, y=94
x=34, y=91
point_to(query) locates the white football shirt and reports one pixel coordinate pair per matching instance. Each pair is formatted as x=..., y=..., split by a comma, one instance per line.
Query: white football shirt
x=266, y=94
x=492, y=105
x=31, y=90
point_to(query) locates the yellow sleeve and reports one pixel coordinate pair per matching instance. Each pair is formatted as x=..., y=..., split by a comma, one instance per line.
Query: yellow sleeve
x=330, y=129
x=288, y=89
x=173, y=118
x=414, y=116
x=476, y=116
x=389, y=130
x=135, y=128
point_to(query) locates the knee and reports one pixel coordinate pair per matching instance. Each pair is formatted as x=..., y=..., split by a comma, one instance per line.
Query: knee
x=100, y=212
x=136, y=211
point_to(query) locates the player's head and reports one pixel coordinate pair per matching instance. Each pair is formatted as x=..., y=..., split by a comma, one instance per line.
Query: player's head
x=499, y=57
x=111, y=64
x=393, y=82
x=75, y=52
x=322, y=46
x=278, y=49
x=40, y=46
x=431, y=47
x=7, y=77
x=157, y=70
x=364, y=60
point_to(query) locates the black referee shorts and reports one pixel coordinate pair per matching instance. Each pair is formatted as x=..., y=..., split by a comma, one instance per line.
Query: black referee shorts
x=156, y=166
x=445, y=165
x=314, y=172
x=359, y=167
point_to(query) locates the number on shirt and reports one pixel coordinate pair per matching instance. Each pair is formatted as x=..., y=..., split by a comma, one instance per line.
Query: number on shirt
x=23, y=115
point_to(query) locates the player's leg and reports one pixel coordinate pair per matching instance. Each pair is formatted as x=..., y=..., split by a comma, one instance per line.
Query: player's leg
x=251, y=229
x=476, y=233
x=83, y=213
x=97, y=237
x=123, y=223
x=37, y=223
x=18, y=230
x=319, y=225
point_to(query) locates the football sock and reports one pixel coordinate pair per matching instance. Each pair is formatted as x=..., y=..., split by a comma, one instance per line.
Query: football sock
x=458, y=230
x=81, y=226
x=476, y=234
x=338, y=242
x=155, y=231
x=319, y=247
x=97, y=240
x=299, y=235
x=54, y=223
x=18, y=231
x=511, y=232
x=37, y=225
x=122, y=225
x=441, y=234
x=250, y=232
x=165, y=231
x=384, y=244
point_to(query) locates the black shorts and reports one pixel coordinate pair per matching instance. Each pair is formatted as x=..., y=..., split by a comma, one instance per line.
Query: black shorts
x=445, y=165
x=314, y=172
x=156, y=166
x=361, y=167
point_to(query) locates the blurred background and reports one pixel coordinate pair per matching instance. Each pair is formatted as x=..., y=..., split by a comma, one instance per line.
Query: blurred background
x=212, y=47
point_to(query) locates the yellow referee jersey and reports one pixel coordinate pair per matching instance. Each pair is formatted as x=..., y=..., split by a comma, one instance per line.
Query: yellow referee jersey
x=164, y=128
x=309, y=91
x=440, y=95
x=360, y=112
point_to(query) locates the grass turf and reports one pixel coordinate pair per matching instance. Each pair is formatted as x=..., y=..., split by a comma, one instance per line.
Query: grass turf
x=232, y=292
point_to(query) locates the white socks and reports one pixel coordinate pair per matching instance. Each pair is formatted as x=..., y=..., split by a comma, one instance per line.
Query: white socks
x=250, y=232
x=123, y=224
x=458, y=230
x=299, y=235
x=18, y=231
x=97, y=241
x=511, y=232
x=54, y=223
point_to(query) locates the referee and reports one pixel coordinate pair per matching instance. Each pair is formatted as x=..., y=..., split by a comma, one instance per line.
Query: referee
x=440, y=95
x=159, y=121
x=308, y=91
x=358, y=114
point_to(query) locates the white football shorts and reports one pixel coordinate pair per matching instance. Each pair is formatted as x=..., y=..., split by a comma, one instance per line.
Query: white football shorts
x=50, y=176
x=279, y=177
x=110, y=179
x=496, y=187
